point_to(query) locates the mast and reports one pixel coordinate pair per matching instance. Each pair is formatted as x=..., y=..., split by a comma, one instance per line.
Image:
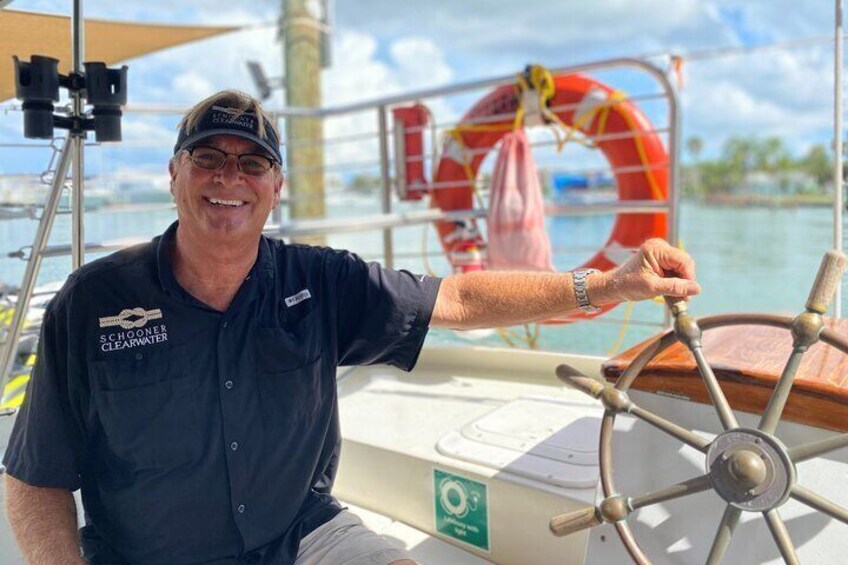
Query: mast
x=838, y=199
x=301, y=30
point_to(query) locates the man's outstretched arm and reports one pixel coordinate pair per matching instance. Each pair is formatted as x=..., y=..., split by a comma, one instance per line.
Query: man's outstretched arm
x=496, y=299
x=44, y=521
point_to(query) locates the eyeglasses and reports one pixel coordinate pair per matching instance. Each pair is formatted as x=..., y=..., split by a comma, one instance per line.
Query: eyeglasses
x=212, y=159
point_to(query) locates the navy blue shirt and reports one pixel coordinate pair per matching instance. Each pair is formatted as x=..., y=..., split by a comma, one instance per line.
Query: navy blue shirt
x=198, y=435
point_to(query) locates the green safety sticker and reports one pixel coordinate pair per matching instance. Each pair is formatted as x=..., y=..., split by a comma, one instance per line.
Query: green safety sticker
x=462, y=509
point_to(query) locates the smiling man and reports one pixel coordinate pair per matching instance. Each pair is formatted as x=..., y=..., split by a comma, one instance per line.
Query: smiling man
x=187, y=386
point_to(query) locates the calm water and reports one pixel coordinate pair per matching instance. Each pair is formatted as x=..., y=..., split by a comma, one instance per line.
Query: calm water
x=749, y=260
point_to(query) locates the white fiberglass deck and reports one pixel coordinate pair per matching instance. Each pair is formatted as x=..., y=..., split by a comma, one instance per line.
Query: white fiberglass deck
x=500, y=418
x=492, y=416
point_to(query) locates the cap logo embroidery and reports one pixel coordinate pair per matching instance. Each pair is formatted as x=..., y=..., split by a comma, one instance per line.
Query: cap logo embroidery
x=131, y=318
x=223, y=115
x=231, y=111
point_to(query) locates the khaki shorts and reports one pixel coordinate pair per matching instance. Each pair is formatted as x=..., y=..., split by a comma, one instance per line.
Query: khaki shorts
x=345, y=540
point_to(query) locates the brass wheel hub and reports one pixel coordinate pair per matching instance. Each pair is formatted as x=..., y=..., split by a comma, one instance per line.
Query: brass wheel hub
x=750, y=469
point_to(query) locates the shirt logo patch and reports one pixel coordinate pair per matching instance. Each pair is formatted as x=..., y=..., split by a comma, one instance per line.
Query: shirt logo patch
x=298, y=298
x=131, y=318
x=134, y=329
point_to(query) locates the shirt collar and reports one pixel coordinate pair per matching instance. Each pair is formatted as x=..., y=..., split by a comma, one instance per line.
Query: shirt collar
x=262, y=271
x=164, y=250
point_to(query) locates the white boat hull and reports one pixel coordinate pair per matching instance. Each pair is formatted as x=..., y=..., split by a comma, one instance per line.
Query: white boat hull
x=464, y=410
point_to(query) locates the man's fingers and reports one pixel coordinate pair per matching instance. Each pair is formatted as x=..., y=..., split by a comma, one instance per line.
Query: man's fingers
x=667, y=260
x=670, y=271
x=679, y=288
x=678, y=262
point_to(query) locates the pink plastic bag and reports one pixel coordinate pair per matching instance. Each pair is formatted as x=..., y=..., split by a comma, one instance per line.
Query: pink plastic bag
x=516, y=220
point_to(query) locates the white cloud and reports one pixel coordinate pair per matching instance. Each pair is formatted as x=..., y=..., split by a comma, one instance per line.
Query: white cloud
x=386, y=47
x=420, y=63
x=140, y=129
x=358, y=75
x=785, y=93
x=554, y=31
x=781, y=19
x=193, y=85
x=185, y=74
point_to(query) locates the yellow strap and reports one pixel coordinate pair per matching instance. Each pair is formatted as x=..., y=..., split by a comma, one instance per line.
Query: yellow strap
x=520, y=87
x=14, y=402
x=623, y=330
x=618, y=97
x=425, y=259
x=13, y=393
x=16, y=384
x=530, y=337
x=6, y=315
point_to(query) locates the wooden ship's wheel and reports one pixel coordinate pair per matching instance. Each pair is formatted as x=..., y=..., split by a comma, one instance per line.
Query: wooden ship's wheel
x=749, y=468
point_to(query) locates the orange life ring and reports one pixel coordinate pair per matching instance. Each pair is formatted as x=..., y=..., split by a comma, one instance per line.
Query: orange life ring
x=627, y=139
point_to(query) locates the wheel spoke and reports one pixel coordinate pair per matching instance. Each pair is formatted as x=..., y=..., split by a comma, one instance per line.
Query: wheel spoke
x=689, y=438
x=724, y=534
x=725, y=413
x=772, y=413
x=821, y=504
x=814, y=449
x=781, y=536
x=692, y=486
x=618, y=401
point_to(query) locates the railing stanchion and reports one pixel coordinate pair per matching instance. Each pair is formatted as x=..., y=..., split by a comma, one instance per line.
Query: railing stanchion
x=388, y=252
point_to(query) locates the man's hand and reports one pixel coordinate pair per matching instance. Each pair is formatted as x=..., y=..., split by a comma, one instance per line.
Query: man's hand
x=656, y=269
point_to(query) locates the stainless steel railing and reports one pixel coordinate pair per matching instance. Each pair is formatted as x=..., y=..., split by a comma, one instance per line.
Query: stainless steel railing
x=354, y=147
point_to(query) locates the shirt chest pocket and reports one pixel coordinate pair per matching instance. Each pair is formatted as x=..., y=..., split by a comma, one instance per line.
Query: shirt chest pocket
x=293, y=389
x=294, y=345
x=148, y=411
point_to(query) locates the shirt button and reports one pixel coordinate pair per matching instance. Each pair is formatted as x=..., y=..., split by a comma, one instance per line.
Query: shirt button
x=240, y=509
x=225, y=324
x=228, y=384
x=234, y=445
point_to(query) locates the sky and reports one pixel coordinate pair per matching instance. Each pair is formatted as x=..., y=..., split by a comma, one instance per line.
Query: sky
x=383, y=47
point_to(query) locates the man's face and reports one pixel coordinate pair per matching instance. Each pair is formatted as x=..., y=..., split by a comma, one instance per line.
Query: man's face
x=225, y=202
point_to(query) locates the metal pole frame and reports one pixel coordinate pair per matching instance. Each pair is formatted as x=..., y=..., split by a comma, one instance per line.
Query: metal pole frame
x=277, y=212
x=673, y=198
x=77, y=142
x=42, y=234
x=388, y=246
x=73, y=152
x=838, y=184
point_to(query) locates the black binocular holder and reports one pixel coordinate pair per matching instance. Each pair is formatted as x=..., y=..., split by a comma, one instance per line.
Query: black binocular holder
x=37, y=83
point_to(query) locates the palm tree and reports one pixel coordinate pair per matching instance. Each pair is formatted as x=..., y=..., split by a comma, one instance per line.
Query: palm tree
x=694, y=145
x=740, y=154
x=818, y=164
